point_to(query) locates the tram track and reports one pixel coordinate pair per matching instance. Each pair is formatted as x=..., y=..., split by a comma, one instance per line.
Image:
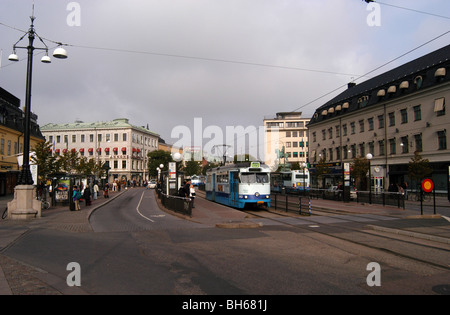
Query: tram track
x=396, y=245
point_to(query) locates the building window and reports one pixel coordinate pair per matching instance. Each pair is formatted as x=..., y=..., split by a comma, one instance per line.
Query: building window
x=382, y=147
x=50, y=139
x=338, y=153
x=381, y=122
x=116, y=137
x=418, y=141
x=99, y=137
x=324, y=134
x=344, y=129
x=345, y=151
x=330, y=133
x=404, y=115
x=361, y=126
x=372, y=148
x=353, y=149
x=66, y=139
x=370, y=121
x=442, y=140
x=391, y=119
x=124, y=137
x=417, y=113
x=352, y=128
x=294, y=134
x=338, y=132
x=392, y=146
x=82, y=138
x=295, y=155
x=439, y=106
x=288, y=134
x=2, y=146
x=314, y=136
x=404, y=144
x=74, y=138
x=362, y=149
x=116, y=164
x=330, y=154
x=91, y=138
x=124, y=164
x=9, y=147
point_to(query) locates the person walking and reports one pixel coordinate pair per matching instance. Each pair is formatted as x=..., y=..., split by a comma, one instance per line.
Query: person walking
x=76, y=198
x=192, y=194
x=87, y=195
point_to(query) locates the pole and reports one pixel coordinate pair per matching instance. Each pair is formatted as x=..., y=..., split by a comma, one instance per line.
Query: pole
x=25, y=177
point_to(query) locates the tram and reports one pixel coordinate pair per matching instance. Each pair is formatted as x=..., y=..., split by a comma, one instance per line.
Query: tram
x=292, y=181
x=239, y=185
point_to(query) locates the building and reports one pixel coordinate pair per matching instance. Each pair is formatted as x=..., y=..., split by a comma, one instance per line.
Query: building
x=286, y=139
x=119, y=144
x=12, y=130
x=390, y=116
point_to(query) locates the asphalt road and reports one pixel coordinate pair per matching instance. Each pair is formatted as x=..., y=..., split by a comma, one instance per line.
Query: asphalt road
x=135, y=248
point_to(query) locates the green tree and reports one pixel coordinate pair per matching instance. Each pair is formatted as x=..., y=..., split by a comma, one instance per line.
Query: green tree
x=419, y=168
x=359, y=170
x=322, y=169
x=155, y=158
x=192, y=168
x=45, y=161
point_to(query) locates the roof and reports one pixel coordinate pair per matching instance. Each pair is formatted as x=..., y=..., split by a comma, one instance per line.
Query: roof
x=366, y=93
x=119, y=123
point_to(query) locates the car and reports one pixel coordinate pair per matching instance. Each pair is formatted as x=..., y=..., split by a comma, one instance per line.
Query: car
x=353, y=193
x=152, y=184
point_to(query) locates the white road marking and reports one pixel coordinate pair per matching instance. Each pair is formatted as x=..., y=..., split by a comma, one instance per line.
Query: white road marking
x=137, y=209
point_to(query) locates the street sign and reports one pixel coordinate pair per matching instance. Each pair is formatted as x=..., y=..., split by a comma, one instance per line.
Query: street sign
x=427, y=185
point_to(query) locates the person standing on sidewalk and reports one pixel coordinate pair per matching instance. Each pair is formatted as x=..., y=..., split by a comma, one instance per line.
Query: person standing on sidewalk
x=76, y=198
x=87, y=195
x=95, y=190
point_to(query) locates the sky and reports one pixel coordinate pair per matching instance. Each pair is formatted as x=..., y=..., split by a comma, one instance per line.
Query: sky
x=186, y=68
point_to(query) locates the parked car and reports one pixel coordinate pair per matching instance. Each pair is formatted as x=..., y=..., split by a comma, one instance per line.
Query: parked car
x=152, y=184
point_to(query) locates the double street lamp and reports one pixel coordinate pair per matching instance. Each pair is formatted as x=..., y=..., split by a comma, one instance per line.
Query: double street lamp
x=25, y=177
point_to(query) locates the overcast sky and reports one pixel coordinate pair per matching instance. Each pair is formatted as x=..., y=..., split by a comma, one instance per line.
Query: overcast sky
x=229, y=62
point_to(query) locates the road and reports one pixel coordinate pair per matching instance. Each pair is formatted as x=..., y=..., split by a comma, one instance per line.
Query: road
x=135, y=248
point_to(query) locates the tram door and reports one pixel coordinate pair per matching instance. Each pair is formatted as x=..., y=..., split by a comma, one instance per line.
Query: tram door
x=234, y=188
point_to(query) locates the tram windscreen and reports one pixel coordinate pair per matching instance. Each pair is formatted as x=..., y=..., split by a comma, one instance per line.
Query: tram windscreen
x=252, y=178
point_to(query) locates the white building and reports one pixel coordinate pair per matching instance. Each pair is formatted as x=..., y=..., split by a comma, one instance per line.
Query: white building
x=118, y=143
x=286, y=139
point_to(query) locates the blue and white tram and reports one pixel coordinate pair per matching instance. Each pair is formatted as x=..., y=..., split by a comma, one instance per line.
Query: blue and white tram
x=238, y=185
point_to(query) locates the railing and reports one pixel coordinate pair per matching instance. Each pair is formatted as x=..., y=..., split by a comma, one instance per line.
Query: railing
x=176, y=203
x=384, y=198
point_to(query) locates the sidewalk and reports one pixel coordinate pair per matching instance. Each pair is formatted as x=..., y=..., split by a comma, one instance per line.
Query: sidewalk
x=20, y=279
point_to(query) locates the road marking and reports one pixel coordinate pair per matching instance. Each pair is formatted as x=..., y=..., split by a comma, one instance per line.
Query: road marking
x=137, y=209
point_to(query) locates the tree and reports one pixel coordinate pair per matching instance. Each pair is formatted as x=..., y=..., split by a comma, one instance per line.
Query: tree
x=192, y=168
x=322, y=169
x=419, y=168
x=360, y=168
x=155, y=158
x=45, y=161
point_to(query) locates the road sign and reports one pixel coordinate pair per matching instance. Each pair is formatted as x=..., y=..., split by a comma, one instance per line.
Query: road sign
x=427, y=185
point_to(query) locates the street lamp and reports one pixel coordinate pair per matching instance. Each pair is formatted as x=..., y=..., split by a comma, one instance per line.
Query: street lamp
x=24, y=207
x=369, y=157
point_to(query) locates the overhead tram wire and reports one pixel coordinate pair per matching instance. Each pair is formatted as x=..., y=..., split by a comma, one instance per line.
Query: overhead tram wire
x=413, y=10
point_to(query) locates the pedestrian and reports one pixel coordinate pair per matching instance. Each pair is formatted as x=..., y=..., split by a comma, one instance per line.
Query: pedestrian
x=87, y=195
x=181, y=191
x=76, y=196
x=95, y=190
x=192, y=194
x=106, y=191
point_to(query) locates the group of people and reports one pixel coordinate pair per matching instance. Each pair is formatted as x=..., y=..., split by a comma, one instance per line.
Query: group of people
x=187, y=191
x=77, y=194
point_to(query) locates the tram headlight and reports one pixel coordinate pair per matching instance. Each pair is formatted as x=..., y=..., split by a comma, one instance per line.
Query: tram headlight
x=257, y=194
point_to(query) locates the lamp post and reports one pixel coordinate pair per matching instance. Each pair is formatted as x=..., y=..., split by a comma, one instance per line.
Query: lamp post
x=24, y=207
x=369, y=157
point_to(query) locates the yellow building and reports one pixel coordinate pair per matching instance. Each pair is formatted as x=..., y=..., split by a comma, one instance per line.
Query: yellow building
x=11, y=139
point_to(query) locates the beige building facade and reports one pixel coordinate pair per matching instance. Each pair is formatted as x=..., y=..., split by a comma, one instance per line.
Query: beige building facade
x=120, y=144
x=286, y=140
x=391, y=116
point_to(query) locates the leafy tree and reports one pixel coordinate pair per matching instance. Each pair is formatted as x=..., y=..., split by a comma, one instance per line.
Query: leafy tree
x=192, y=168
x=419, y=168
x=360, y=168
x=155, y=158
x=45, y=161
x=322, y=169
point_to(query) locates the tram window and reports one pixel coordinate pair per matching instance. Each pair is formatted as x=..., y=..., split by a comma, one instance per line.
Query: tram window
x=251, y=178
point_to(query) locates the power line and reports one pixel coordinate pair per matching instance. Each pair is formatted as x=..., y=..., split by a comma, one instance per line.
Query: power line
x=413, y=10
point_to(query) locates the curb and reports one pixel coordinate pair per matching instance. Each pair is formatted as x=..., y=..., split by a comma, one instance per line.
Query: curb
x=410, y=234
x=238, y=225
